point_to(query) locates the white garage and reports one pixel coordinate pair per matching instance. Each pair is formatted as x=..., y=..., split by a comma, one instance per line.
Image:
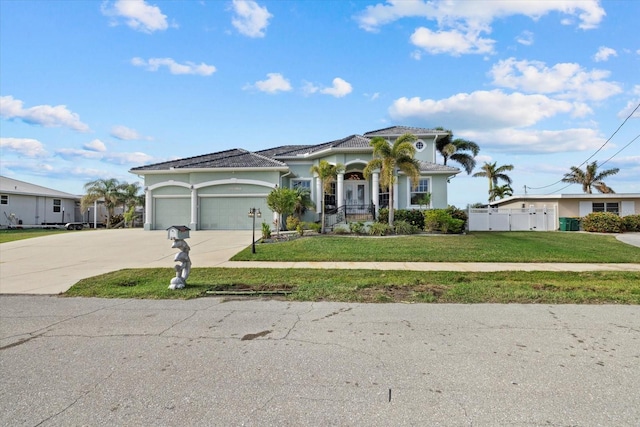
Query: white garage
x=170, y=211
x=231, y=213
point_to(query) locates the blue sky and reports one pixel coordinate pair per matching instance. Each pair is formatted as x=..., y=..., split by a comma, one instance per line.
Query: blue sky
x=90, y=89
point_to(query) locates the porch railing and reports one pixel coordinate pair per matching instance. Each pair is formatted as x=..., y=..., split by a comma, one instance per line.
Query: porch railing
x=349, y=213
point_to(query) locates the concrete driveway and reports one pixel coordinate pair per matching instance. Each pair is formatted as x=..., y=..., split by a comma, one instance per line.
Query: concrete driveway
x=52, y=264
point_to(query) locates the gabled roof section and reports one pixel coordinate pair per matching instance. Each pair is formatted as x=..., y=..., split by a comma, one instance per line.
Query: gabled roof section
x=401, y=130
x=429, y=167
x=283, y=150
x=14, y=186
x=350, y=142
x=235, y=158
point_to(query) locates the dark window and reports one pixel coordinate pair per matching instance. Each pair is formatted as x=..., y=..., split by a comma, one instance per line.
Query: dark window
x=57, y=203
x=418, y=193
x=383, y=198
x=612, y=207
x=4, y=199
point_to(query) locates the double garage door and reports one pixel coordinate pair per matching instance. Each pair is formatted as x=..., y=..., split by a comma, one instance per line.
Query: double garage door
x=215, y=213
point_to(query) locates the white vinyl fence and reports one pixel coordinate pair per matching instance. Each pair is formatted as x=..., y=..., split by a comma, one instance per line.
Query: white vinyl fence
x=494, y=219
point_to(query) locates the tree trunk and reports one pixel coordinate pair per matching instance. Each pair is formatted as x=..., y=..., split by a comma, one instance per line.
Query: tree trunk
x=391, y=213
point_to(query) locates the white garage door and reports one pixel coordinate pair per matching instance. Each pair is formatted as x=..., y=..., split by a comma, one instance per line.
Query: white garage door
x=171, y=211
x=231, y=213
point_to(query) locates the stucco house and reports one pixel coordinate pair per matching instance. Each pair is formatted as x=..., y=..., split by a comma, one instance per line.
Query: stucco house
x=216, y=191
x=575, y=205
x=30, y=204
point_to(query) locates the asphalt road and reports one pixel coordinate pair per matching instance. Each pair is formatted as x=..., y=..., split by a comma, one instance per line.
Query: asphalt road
x=217, y=362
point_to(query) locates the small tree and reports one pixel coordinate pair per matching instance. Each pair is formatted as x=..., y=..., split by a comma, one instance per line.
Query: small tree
x=327, y=173
x=281, y=201
x=105, y=189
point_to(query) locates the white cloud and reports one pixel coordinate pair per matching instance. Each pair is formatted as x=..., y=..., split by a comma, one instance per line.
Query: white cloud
x=565, y=80
x=533, y=141
x=95, y=145
x=154, y=64
x=632, y=105
x=481, y=109
x=274, y=83
x=250, y=18
x=604, y=53
x=127, y=134
x=450, y=12
x=525, y=38
x=139, y=15
x=43, y=115
x=136, y=158
x=339, y=89
x=309, y=88
x=24, y=146
x=462, y=23
x=454, y=42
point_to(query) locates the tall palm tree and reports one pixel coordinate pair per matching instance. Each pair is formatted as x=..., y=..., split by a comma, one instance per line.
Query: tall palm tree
x=327, y=174
x=494, y=173
x=500, y=192
x=388, y=158
x=102, y=189
x=457, y=150
x=590, y=177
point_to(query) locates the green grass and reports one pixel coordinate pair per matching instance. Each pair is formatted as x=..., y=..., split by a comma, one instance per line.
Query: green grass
x=474, y=247
x=375, y=286
x=7, y=235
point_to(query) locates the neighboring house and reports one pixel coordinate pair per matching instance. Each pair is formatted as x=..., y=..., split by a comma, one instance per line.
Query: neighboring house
x=575, y=205
x=30, y=204
x=216, y=191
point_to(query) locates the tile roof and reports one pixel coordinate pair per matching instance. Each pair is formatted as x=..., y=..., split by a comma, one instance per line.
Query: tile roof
x=235, y=158
x=434, y=167
x=401, y=130
x=352, y=141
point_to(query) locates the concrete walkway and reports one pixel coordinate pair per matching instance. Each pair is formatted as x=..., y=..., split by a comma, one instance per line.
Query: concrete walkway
x=52, y=264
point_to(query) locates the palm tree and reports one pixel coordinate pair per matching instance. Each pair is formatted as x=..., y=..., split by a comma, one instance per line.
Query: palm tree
x=282, y=201
x=494, y=173
x=590, y=177
x=327, y=174
x=500, y=192
x=388, y=158
x=303, y=201
x=457, y=151
x=130, y=198
x=102, y=189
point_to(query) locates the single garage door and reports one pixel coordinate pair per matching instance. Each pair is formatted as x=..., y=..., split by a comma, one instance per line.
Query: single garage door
x=171, y=211
x=232, y=213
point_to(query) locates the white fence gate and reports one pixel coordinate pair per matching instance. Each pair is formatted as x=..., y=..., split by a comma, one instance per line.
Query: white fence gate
x=494, y=219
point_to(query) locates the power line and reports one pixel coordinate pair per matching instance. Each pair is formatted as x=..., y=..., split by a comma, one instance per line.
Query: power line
x=596, y=152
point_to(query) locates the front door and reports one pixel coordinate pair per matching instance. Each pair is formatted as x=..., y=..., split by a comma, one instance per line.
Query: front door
x=356, y=195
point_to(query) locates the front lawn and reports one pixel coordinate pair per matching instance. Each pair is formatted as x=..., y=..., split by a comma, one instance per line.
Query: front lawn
x=374, y=285
x=532, y=246
x=11, y=235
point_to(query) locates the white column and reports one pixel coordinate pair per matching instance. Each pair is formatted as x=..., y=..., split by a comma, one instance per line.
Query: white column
x=395, y=194
x=95, y=215
x=340, y=190
x=148, y=209
x=318, y=195
x=375, y=190
x=194, y=209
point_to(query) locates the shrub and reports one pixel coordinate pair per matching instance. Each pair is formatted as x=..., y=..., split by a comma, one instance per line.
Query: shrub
x=383, y=215
x=455, y=226
x=266, y=231
x=356, y=227
x=341, y=229
x=435, y=219
x=379, y=229
x=413, y=217
x=631, y=223
x=403, y=227
x=313, y=226
x=292, y=223
x=602, y=222
x=458, y=214
x=300, y=229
